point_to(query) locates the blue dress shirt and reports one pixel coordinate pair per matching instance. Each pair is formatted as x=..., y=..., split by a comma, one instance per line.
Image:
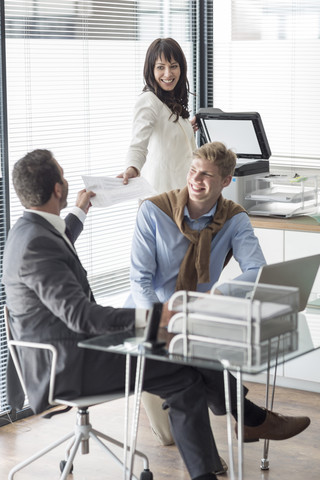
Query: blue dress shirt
x=158, y=248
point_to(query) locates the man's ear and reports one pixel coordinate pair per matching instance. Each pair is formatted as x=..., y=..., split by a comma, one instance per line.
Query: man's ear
x=227, y=181
x=57, y=190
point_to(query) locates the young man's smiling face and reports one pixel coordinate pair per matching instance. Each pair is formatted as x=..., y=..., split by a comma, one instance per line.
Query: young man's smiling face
x=205, y=183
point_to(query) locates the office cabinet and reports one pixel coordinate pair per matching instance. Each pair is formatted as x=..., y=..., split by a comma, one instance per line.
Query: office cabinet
x=284, y=240
x=272, y=244
x=302, y=244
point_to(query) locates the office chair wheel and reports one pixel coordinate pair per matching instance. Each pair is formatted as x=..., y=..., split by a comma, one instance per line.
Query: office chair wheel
x=63, y=464
x=146, y=475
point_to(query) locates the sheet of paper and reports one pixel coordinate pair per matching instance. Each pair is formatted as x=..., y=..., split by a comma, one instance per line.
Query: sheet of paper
x=110, y=190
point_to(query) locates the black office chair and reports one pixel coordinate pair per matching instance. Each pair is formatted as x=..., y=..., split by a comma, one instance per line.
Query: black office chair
x=83, y=430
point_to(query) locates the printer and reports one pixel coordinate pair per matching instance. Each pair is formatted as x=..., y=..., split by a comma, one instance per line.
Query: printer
x=242, y=132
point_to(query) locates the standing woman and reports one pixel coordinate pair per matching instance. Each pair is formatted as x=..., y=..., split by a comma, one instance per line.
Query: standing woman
x=161, y=148
x=162, y=135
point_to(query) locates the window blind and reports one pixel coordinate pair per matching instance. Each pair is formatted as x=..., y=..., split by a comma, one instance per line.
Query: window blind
x=74, y=70
x=266, y=59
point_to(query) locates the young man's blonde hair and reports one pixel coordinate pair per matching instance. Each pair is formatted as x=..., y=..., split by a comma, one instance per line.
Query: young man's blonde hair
x=217, y=153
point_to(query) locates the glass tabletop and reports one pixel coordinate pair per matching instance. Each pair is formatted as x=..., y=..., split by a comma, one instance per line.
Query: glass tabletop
x=306, y=339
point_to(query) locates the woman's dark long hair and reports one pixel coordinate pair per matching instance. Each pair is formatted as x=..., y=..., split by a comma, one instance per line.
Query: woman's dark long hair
x=170, y=50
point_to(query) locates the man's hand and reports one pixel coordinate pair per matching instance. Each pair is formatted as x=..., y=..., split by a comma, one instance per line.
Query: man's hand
x=130, y=172
x=165, y=315
x=83, y=200
x=216, y=292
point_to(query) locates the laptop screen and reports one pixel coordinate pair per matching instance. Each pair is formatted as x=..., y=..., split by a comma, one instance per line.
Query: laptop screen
x=300, y=273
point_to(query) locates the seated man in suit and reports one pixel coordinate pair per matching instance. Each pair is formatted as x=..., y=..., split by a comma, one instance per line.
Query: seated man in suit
x=49, y=300
x=182, y=241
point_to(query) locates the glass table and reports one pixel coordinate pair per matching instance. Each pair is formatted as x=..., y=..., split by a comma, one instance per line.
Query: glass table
x=131, y=343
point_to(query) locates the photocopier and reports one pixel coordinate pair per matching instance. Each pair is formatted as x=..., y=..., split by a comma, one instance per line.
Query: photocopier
x=242, y=132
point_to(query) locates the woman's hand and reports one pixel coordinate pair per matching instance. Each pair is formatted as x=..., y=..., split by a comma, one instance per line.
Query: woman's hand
x=194, y=124
x=130, y=172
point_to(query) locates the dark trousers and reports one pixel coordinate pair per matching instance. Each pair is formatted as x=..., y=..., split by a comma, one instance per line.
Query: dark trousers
x=187, y=392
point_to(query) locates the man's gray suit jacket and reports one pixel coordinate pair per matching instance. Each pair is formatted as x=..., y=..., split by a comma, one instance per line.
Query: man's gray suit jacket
x=49, y=300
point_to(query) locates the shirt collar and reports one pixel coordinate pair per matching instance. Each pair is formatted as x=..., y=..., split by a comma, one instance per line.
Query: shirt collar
x=208, y=214
x=57, y=222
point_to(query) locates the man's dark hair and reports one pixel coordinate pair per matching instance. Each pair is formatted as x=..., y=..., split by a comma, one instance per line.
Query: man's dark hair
x=170, y=50
x=34, y=177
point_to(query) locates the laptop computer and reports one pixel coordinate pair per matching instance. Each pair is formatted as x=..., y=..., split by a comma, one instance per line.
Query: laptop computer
x=300, y=273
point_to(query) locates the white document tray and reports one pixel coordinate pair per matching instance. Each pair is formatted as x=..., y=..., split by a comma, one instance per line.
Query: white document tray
x=234, y=353
x=236, y=319
x=281, y=210
x=238, y=328
x=235, y=329
x=284, y=193
x=282, y=196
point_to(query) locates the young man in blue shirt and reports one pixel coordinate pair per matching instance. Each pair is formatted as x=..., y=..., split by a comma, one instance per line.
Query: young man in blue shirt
x=182, y=241
x=195, y=222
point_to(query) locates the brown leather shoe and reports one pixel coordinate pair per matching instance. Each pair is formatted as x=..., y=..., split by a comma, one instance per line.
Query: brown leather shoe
x=275, y=427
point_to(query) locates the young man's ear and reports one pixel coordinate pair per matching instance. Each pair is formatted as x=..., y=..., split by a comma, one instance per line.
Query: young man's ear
x=227, y=181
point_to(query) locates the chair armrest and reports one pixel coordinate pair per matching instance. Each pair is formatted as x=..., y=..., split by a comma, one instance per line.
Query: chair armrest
x=42, y=346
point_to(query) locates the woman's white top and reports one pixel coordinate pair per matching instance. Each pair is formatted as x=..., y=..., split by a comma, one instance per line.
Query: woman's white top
x=160, y=148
